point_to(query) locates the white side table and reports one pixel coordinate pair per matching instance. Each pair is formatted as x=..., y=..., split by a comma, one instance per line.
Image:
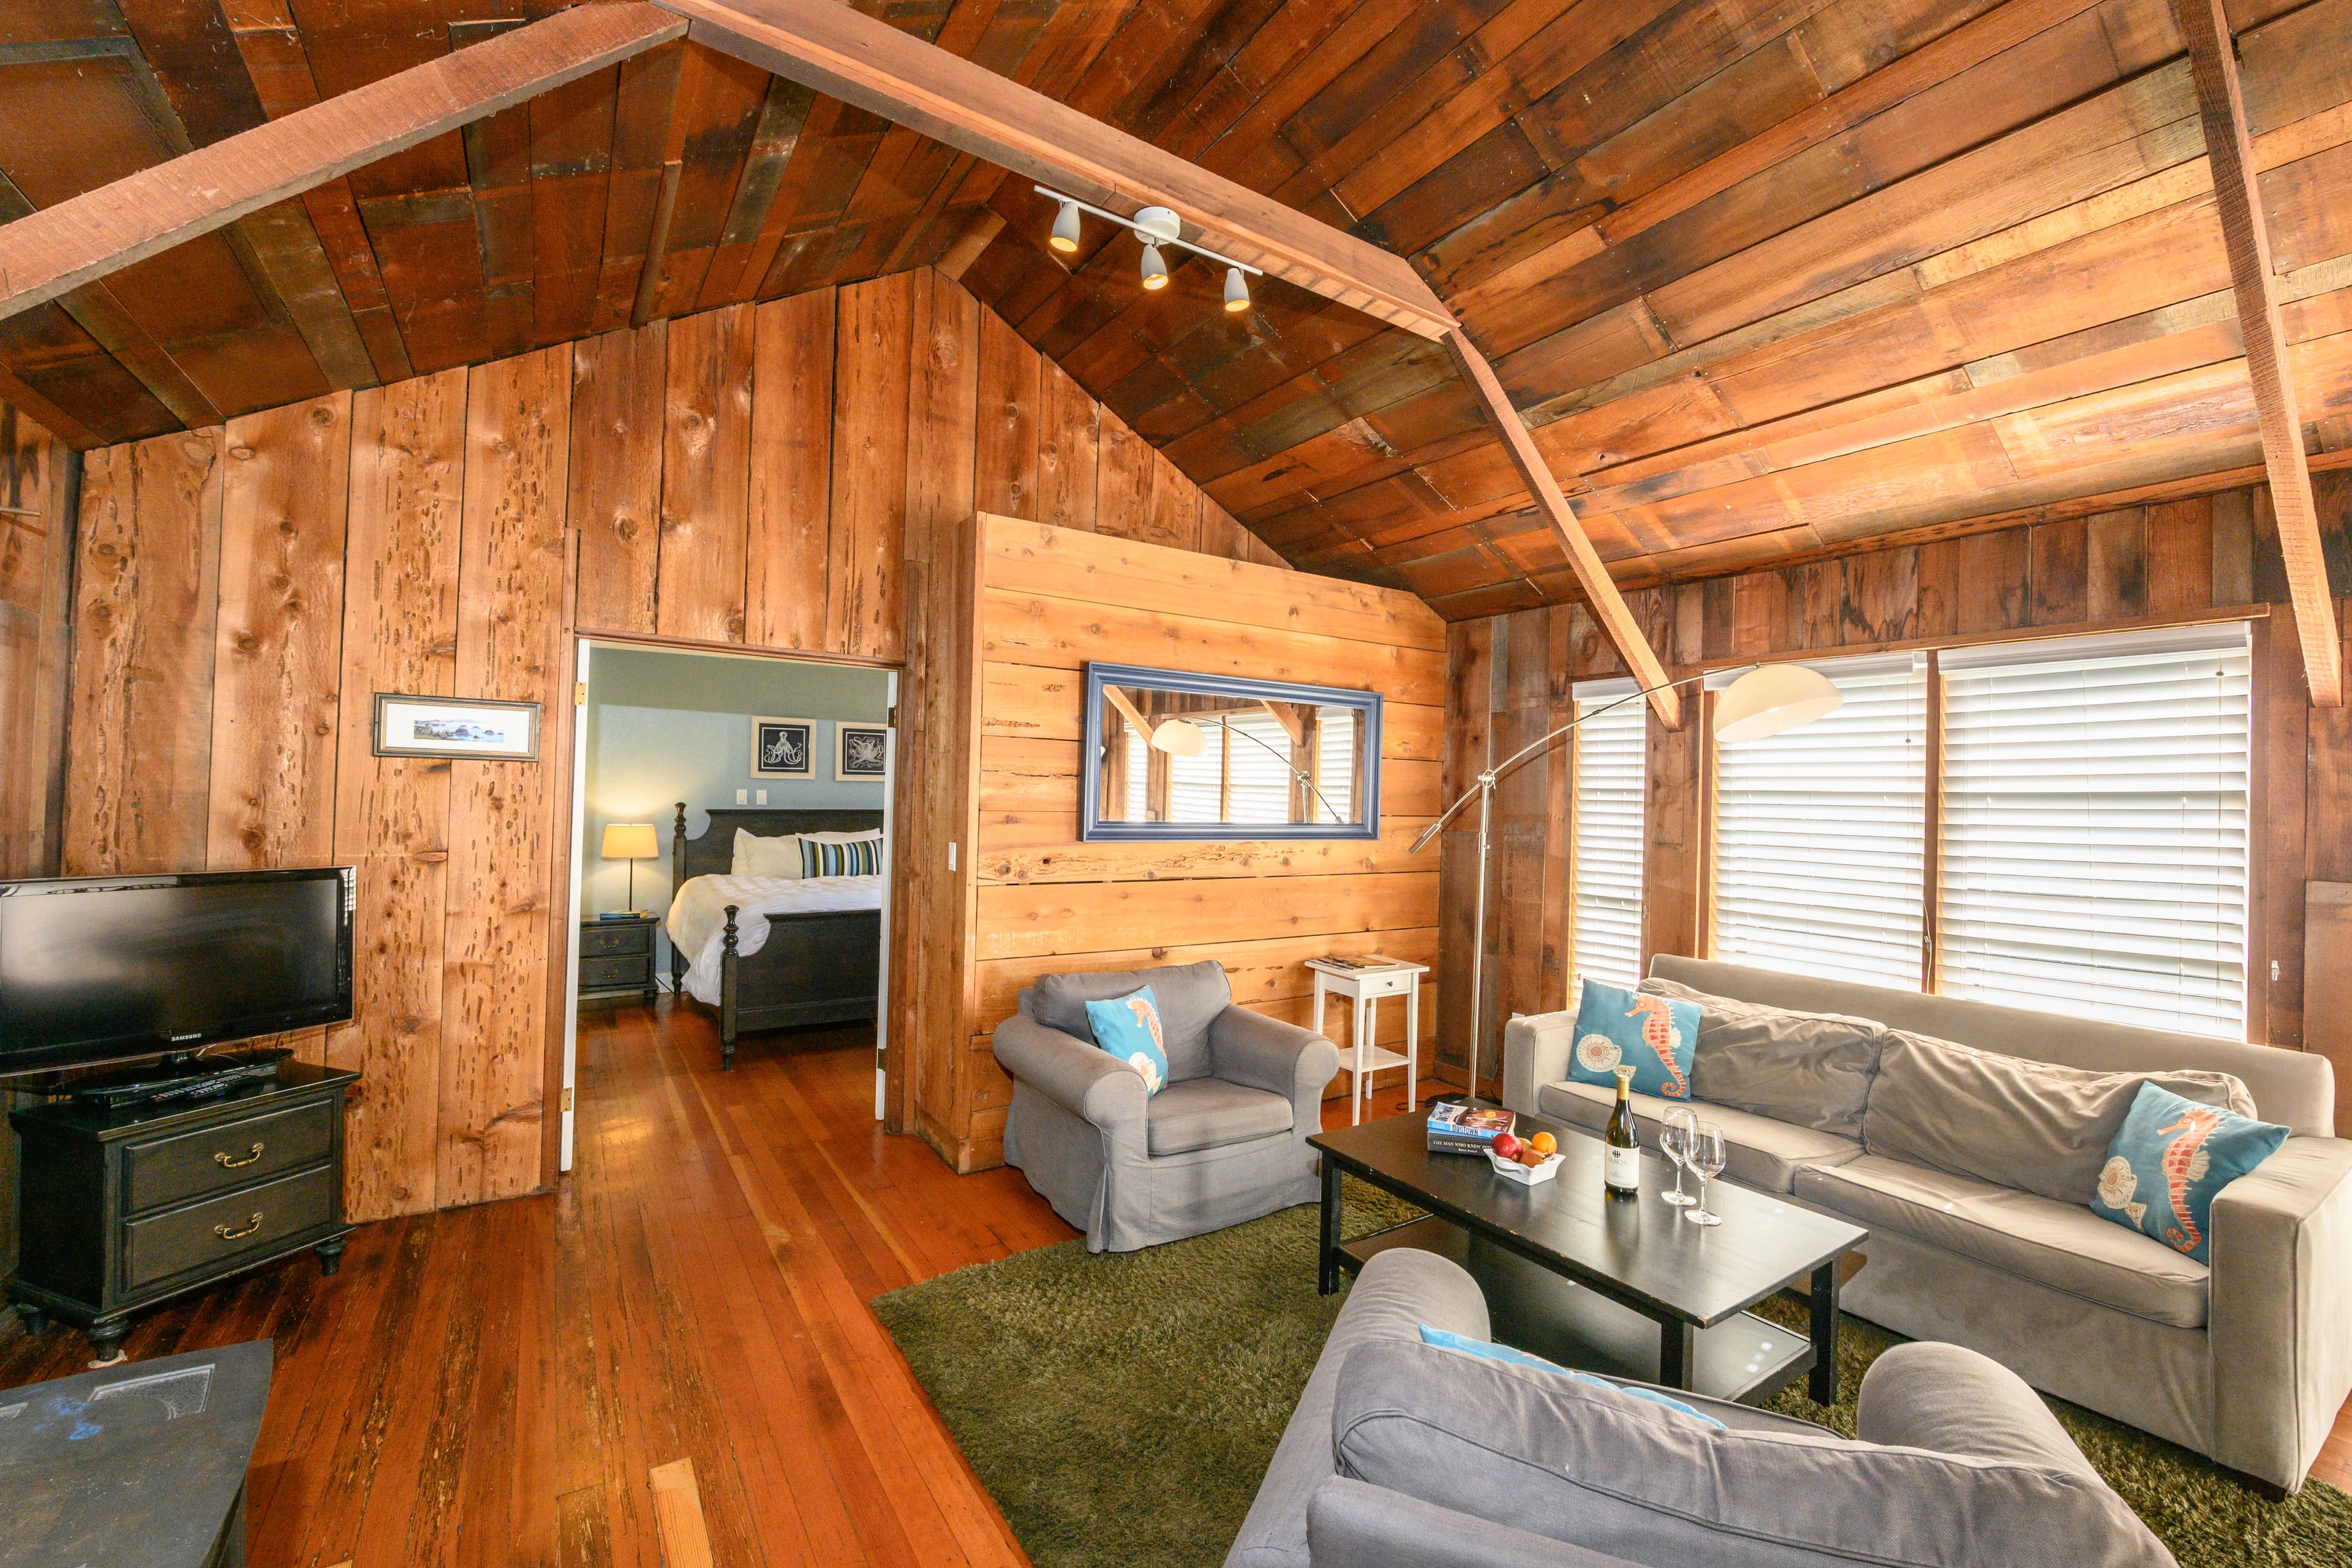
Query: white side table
x=1365, y=988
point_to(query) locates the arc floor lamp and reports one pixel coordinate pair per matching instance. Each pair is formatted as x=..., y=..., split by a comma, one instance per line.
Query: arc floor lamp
x=1767, y=701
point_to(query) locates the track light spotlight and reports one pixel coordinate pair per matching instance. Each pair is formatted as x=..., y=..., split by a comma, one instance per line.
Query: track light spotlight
x=1155, y=269
x=1065, y=228
x=1237, y=297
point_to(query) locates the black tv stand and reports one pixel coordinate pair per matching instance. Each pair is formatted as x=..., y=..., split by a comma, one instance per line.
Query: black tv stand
x=123, y=1206
x=180, y=1077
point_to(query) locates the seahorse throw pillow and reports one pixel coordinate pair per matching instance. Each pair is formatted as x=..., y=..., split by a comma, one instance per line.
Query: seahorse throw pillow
x=1129, y=1028
x=2169, y=1159
x=1654, y=1035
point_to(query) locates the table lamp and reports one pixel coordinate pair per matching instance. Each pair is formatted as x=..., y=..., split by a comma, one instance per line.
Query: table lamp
x=633, y=842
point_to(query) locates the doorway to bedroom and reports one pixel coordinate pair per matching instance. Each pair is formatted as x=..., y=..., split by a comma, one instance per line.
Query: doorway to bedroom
x=730, y=847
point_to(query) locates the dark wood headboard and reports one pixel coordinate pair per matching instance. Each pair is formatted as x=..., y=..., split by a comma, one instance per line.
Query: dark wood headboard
x=714, y=852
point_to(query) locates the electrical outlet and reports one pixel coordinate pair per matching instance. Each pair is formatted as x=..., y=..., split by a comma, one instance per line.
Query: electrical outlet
x=742, y=797
x=952, y=852
x=764, y=798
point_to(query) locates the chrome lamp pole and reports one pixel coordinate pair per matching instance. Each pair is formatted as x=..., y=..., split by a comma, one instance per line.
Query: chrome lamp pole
x=1765, y=700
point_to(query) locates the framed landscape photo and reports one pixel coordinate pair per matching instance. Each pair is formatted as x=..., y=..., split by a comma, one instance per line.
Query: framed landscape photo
x=861, y=753
x=784, y=748
x=455, y=727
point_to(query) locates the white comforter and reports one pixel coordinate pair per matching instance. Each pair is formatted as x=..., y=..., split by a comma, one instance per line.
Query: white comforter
x=697, y=916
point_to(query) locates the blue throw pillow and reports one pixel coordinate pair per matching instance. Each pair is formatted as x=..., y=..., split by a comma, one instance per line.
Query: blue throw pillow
x=2169, y=1158
x=1505, y=1354
x=1129, y=1028
x=1653, y=1034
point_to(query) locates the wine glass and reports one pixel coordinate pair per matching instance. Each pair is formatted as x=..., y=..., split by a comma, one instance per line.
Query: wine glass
x=1705, y=1155
x=1673, y=1142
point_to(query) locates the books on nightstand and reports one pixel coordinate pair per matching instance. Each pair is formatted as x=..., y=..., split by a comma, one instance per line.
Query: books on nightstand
x=1457, y=1129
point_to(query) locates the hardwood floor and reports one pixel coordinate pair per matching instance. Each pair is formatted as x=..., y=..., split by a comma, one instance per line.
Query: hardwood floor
x=498, y=1384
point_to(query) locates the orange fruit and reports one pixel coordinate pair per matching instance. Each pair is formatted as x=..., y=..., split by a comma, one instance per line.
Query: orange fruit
x=1544, y=1144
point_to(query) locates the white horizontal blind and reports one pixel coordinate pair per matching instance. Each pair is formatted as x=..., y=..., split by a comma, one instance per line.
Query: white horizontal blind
x=1196, y=783
x=2094, y=827
x=1821, y=833
x=1610, y=756
x=1260, y=791
x=1138, y=775
x=1335, y=738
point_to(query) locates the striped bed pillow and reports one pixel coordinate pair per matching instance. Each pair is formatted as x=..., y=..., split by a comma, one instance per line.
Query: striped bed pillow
x=859, y=858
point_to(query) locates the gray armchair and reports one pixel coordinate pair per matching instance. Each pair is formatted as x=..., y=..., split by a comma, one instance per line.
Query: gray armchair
x=1224, y=1142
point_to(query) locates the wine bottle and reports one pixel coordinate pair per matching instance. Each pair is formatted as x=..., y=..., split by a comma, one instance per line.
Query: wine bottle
x=1621, y=1170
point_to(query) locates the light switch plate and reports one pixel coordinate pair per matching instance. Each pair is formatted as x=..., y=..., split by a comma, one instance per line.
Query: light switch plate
x=742, y=797
x=763, y=796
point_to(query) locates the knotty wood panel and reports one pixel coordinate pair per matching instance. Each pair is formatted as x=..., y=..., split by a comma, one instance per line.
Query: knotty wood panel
x=278, y=663
x=791, y=472
x=40, y=486
x=705, y=471
x=146, y=594
x=618, y=385
x=392, y=813
x=869, y=468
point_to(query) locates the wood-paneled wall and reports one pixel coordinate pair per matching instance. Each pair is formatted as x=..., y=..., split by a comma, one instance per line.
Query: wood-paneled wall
x=2181, y=560
x=1050, y=600
x=791, y=477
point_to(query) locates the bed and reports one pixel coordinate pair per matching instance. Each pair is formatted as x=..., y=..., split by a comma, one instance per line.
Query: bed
x=770, y=954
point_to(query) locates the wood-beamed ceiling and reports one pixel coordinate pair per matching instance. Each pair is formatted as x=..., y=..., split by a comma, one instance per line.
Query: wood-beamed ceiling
x=1771, y=278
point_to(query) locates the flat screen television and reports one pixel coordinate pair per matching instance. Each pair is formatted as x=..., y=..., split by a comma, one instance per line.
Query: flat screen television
x=101, y=969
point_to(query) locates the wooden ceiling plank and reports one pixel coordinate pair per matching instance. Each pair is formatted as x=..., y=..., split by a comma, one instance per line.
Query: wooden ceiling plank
x=1601, y=594
x=642, y=106
x=871, y=64
x=2238, y=198
x=63, y=246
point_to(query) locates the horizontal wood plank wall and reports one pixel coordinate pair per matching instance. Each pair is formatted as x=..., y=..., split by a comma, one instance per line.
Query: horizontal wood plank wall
x=2187, y=559
x=1054, y=599
x=800, y=477
x=39, y=486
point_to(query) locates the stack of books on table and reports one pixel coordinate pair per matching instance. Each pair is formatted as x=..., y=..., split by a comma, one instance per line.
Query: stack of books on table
x=1367, y=963
x=1456, y=1128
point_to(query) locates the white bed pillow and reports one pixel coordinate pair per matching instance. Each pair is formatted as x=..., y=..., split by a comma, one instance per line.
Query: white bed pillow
x=757, y=856
x=843, y=837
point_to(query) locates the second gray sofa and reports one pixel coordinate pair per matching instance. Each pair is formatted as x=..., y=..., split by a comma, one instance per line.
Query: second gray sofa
x=1967, y=1137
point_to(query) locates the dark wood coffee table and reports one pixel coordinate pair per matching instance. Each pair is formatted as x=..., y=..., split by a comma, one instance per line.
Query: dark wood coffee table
x=1622, y=1287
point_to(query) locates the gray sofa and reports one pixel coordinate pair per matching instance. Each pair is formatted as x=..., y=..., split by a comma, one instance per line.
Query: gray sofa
x=1406, y=1455
x=1224, y=1142
x=1974, y=1169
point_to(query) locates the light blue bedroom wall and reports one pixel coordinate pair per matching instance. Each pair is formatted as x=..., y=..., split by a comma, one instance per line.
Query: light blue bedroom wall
x=667, y=727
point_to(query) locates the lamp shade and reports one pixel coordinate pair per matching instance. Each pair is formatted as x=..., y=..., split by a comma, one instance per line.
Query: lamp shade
x=630, y=841
x=1179, y=738
x=1773, y=698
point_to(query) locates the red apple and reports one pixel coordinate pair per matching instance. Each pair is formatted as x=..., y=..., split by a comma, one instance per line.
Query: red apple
x=1507, y=1146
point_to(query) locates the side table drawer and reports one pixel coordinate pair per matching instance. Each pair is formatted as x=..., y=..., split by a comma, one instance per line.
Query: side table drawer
x=214, y=1159
x=632, y=936
x=597, y=973
x=233, y=1225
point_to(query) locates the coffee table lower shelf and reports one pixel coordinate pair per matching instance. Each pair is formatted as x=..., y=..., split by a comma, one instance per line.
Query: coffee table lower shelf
x=1744, y=1358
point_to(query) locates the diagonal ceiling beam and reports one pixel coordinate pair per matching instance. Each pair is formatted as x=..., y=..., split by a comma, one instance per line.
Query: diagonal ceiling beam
x=828, y=46
x=2213, y=58
x=838, y=51
x=1601, y=593
x=50, y=252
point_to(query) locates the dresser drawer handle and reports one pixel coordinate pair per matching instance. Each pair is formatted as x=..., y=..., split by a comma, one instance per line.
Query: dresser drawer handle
x=227, y=1235
x=227, y=1163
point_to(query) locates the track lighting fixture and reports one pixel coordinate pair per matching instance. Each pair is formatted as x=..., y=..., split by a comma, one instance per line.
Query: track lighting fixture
x=1154, y=228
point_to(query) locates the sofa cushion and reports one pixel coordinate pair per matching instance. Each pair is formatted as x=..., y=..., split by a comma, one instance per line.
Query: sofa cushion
x=2062, y=1245
x=1208, y=1112
x=1812, y=1070
x=2004, y=1118
x=1596, y=1470
x=1764, y=1153
x=1190, y=995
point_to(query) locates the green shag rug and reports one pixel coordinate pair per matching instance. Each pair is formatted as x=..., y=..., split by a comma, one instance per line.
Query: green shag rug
x=1121, y=1408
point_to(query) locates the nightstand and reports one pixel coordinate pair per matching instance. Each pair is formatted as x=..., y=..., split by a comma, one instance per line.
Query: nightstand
x=617, y=956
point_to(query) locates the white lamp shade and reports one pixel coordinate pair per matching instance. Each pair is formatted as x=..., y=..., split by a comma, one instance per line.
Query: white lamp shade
x=1155, y=267
x=1065, y=228
x=630, y=841
x=1179, y=738
x=1773, y=698
x=1237, y=297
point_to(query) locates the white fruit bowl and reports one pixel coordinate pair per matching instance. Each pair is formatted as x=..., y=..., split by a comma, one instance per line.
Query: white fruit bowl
x=1525, y=1175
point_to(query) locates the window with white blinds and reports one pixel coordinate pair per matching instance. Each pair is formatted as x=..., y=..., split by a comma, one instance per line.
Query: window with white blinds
x=1820, y=833
x=1335, y=767
x=2094, y=838
x=1610, y=757
x=1257, y=788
